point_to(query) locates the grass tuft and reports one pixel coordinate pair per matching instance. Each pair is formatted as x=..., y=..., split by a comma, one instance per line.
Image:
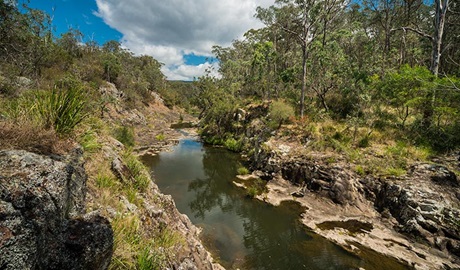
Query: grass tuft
x=125, y=135
x=242, y=170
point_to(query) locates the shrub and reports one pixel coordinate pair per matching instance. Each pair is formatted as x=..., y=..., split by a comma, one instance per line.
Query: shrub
x=364, y=142
x=160, y=137
x=89, y=141
x=30, y=137
x=396, y=171
x=233, y=145
x=360, y=170
x=252, y=192
x=139, y=172
x=256, y=187
x=280, y=111
x=105, y=181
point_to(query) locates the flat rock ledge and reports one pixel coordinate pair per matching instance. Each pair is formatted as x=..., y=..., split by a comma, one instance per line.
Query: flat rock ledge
x=42, y=219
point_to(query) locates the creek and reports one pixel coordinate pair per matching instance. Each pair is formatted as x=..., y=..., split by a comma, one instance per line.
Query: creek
x=242, y=232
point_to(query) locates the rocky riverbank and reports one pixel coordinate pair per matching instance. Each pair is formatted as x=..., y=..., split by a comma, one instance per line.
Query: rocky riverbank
x=167, y=237
x=413, y=218
x=96, y=206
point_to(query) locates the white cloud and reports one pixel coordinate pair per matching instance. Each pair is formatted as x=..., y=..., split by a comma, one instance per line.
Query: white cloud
x=188, y=72
x=168, y=29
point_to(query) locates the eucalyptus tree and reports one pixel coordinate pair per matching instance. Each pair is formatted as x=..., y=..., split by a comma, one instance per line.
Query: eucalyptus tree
x=450, y=62
x=305, y=21
x=441, y=7
x=25, y=38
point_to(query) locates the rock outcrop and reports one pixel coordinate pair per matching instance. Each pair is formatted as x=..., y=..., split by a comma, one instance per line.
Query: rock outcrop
x=330, y=181
x=428, y=211
x=423, y=206
x=42, y=220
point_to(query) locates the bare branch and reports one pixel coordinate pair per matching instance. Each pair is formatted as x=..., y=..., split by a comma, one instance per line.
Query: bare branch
x=417, y=31
x=454, y=86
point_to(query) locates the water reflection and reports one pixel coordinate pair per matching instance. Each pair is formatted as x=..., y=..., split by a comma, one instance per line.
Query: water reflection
x=243, y=232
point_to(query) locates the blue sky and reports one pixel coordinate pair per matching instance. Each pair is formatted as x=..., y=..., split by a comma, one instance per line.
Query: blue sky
x=77, y=15
x=178, y=33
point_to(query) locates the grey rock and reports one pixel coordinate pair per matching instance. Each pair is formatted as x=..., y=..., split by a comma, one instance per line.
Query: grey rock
x=438, y=174
x=120, y=170
x=42, y=221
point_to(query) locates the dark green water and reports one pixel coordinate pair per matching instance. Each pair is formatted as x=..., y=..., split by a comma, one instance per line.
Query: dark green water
x=242, y=232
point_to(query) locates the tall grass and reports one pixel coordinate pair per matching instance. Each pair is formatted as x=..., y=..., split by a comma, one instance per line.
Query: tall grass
x=61, y=109
x=139, y=171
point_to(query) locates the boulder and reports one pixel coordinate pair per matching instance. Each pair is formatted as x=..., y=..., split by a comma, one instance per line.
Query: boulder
x=42, y=220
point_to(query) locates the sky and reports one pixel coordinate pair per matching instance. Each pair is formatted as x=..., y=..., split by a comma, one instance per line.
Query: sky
x=178, y=33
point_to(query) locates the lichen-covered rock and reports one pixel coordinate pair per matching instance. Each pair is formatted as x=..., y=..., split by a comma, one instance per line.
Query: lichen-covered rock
x=42, y=221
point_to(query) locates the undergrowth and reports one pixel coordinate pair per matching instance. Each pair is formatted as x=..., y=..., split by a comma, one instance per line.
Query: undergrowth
x=137, y=245
x=386, y=152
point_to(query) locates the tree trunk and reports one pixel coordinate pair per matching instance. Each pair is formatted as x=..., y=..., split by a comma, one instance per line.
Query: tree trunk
x=439, y=20
x=304, y=79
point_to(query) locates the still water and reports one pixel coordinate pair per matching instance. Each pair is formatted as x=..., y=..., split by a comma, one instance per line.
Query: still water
x=241, y=232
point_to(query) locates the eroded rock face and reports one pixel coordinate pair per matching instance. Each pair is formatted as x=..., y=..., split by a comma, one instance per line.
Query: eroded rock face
x=42, y=221
x=333, y=182
x=425, y=205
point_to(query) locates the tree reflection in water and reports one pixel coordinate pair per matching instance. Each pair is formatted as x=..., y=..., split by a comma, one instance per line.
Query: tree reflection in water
x=219, y=167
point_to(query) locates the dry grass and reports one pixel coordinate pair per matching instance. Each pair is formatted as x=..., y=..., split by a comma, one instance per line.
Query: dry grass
x=33, y=138
x=370, y=151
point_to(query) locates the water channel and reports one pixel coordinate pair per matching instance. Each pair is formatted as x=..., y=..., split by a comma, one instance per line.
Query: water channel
x=242, y=232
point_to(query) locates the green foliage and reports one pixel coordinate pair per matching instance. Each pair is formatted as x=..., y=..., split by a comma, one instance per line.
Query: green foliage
x=233, y=144
x=364, y=142
x=426, y=106
x=160, y=137
x=146, y=260
x=105, y=180
x=125, y=135
x=396, y=171
x=59, y=109
x=360, y=170
x=62, y=109
x=89, y=142
x=155, y=254
x=139, y=172
x=255, y=187
x=280, y=112
x=242, y=171
x=252, y=192
x=408, y=90
x=217, y=107
x=133, y=196
x=112, y=67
